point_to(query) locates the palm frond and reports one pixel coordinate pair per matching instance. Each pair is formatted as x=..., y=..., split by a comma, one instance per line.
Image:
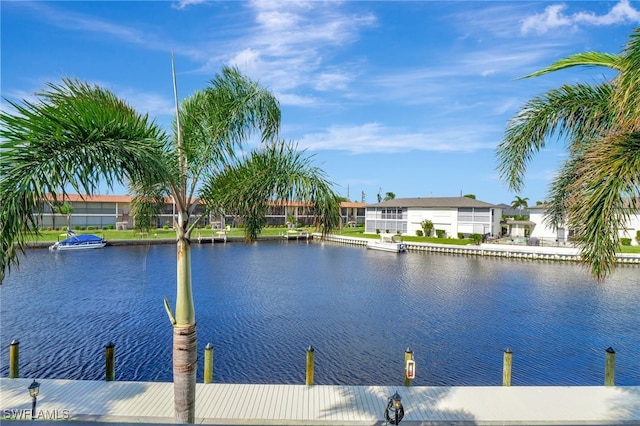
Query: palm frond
x=577, y=112
x=76, y=135
x=584, y=59
x=277, y=172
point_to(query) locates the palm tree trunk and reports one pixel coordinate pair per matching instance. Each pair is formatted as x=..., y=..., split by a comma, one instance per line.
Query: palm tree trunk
x=185, y=358
x=185, y=350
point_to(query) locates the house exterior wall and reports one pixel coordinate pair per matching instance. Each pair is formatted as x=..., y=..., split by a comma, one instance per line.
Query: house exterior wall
x=442, y=218
x=633, y=226
x=383, y=219
x=102, y=211
x=452, y=220
x=544, y=232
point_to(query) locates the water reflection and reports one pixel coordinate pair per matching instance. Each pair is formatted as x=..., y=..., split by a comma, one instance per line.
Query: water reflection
x=262, y=305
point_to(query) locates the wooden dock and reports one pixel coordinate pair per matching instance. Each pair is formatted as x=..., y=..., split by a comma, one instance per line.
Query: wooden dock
x=251, y=404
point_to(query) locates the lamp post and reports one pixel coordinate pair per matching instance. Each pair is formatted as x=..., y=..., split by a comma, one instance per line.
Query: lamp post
x=34, y=390
x=394, y=411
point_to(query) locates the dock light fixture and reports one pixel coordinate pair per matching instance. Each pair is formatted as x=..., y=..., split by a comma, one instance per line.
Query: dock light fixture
x=34, y=390
x=394, y=411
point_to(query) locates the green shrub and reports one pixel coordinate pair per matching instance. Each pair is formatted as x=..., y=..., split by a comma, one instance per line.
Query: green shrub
x=625, y=241
x=377, y=230
x=460, y=236
x=440, y=233
x=165, y=227
x=475, y=238
x=110, y=226
x=419, y=233
x=90, y=228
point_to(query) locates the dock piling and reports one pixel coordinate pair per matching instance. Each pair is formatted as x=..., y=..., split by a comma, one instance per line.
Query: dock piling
x=208, y=363
x=311, y=354
x=408, y=356
x=14, y=355
x=110, y=364
x=610, y=367
x=506, y=367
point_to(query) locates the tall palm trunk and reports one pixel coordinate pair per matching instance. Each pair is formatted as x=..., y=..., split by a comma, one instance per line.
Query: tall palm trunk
x=185, y=351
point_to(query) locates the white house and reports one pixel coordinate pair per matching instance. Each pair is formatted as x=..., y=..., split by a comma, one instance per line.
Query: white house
x=541, y=230
x=453, y=215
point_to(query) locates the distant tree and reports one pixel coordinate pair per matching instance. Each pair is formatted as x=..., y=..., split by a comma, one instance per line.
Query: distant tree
x=65, y=209
x=389, y=196
x=427, y=227
x=519, y=203
x=472, y=196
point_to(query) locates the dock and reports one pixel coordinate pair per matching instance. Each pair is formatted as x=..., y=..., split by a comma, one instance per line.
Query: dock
x=278, y=404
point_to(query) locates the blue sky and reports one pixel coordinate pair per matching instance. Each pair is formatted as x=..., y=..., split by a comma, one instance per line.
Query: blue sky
x=404, y=97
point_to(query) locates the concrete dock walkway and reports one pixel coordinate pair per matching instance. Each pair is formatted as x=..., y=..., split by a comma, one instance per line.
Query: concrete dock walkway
x=220, y=403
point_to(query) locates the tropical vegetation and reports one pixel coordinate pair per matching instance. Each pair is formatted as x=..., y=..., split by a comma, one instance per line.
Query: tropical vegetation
x=77, y=135
x=598, y=186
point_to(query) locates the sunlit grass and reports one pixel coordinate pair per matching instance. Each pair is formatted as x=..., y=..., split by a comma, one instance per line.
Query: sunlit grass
x=162, y=233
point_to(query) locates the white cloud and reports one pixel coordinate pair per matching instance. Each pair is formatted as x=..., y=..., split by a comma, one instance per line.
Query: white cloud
x=183, y=4
x=376, y=138
x=621, y=13
x=292, y=43
x=148, y=103
x=554, y=17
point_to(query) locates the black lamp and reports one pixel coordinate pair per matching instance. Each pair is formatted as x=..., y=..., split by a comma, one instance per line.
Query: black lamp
x=394, y=411
x=34, y=390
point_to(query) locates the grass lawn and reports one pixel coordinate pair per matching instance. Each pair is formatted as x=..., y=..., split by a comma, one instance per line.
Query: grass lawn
x=112, y=234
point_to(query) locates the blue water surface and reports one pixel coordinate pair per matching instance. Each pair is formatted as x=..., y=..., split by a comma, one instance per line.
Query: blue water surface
x=262, y=305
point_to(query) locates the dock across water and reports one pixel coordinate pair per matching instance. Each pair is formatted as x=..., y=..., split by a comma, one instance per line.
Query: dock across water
x=252, y=404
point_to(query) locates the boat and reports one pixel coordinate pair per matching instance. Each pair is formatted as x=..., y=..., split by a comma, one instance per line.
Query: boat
x=79, y=242
x=388, y=242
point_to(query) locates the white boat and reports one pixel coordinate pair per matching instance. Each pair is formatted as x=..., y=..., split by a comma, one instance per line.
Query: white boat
x=388, y=242
x=79, y=242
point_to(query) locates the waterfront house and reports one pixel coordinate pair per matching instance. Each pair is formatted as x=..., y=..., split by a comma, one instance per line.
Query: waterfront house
x=114, y=211
x=453, y=216
x=545, y=233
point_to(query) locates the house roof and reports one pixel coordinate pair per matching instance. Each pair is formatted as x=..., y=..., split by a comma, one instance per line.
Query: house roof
x=507, y=210
x=434, y=202
x=94, y=198
x=127, y=199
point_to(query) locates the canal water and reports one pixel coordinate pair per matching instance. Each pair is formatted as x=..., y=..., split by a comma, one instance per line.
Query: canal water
x=262, y=305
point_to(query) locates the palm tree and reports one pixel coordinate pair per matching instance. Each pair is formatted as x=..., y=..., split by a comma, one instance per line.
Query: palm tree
x=598, y=186
x=210, y=127
x=65, y=208
x=72, y=137
x=276, y=173
x=519, y=203
x=389, y=196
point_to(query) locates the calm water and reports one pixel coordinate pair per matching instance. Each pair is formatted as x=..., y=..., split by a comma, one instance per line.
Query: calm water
x=262, y=305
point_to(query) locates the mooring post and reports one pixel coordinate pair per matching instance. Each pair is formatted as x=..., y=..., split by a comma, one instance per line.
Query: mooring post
x=506, y=367
x=14, y=355
x=610, y=367
x=311, y=355
x=110, y=363
x=408, y=356
x=208, y=363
